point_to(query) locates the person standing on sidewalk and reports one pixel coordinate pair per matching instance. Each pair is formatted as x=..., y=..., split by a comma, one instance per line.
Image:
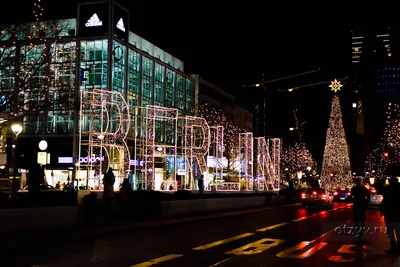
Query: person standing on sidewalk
x=108, y=193
x=390, y=209
x=200, y=184
x=360, y=197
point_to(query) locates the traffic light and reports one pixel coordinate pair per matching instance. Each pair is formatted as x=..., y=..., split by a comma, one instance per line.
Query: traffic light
x=385, y=155
x=331, y=174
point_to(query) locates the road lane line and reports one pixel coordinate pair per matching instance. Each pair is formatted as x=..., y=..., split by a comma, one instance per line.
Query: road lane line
x=223, y=241
x=298, y=219
x=223, y=261
x=268, y=228
x=272, y=227
x=157, y=260
x=301, y=218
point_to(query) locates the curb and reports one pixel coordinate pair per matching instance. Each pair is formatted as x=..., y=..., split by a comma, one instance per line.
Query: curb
x=149, y=224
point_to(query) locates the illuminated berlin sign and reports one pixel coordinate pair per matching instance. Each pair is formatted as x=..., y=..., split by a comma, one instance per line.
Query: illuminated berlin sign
x=94, y=21
x=120, y=25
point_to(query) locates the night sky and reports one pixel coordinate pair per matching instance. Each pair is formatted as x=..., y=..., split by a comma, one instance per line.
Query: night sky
x=233, y=44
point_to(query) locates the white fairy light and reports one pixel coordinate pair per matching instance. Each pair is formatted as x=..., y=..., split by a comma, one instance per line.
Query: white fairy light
x=95, y=121
x=265, y=167
x=196, y=146
x=246, y=151
x=148, y=145
x=276, y=160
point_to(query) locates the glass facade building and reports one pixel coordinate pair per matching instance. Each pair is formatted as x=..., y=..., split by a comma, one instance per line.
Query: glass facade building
x=52, y=65
x=143, y=78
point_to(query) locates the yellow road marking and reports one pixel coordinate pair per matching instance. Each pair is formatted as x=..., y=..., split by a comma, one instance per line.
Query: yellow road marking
x=300, y=219
x=157, y=260
x=256, y=247
x=223, y=261
x=289, y=253
x=272, y=227
x=223, y=241
x=349, y=253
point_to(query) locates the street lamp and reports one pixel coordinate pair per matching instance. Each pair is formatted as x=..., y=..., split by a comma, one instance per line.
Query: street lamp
x=17, y=129
x=308, y=168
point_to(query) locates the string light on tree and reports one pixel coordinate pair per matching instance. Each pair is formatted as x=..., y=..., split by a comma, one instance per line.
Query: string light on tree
x=216, y=117
x=296, y=158
x=387, y=153
x=336, y=171
x=37, y=10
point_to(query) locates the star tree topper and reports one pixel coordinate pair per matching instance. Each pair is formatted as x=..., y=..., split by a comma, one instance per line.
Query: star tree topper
x=335, y=85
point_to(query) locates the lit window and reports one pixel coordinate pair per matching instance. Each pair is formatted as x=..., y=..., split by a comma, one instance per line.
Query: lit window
x=354, y=105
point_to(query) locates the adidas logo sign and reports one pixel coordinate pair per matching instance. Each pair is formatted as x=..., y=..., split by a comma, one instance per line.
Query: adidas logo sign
x=94, y=21
x=120, y=25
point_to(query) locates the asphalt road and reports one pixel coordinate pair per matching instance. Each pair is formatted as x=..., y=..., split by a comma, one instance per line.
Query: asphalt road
x=282, y=236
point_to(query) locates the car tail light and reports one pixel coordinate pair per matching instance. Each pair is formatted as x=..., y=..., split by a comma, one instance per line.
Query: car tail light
x=373, y=191
x=323, y=196
x=336, y=193
x=303, y=195
x=314, y=192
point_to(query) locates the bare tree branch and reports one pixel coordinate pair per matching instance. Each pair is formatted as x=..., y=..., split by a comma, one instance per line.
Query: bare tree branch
x=33, y=59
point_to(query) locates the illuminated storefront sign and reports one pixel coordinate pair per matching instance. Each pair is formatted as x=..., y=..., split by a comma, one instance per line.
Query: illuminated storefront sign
x=120, y=25
x=91, y=159
x=94, y=21
x=83, y=160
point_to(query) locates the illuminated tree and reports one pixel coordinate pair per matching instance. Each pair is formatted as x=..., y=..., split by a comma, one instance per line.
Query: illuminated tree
x=31, y=81
x=26, y=51
x=296, y=158
x=216, y=117
x=336, y=171
x=387, y=154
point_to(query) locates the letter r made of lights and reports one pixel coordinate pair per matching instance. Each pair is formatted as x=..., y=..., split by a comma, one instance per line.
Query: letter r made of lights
x=196, y=147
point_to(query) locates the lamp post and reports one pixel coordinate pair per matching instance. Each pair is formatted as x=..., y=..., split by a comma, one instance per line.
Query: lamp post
x=17, y=129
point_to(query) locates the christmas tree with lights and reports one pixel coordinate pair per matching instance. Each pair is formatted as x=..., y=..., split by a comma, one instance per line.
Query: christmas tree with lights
x=336, y=171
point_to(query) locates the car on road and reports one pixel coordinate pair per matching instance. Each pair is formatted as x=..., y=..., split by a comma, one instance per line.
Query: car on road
x=341, y=194
x=376, y=199
x=317, y=197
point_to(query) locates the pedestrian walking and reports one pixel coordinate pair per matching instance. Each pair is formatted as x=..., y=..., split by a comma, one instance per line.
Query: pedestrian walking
x=390, y=210
x=360, y=197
